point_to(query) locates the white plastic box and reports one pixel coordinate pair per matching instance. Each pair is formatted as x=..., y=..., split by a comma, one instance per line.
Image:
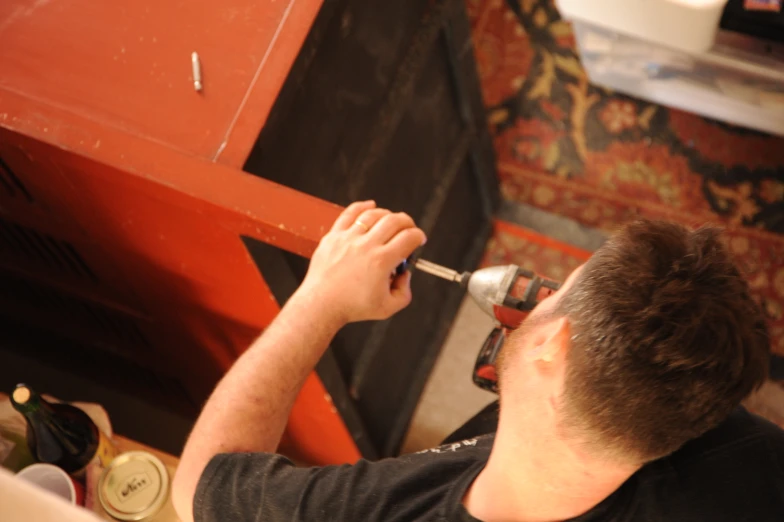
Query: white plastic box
x=687, y=25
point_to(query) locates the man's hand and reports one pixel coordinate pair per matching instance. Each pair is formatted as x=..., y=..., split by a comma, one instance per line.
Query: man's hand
x=351, y=272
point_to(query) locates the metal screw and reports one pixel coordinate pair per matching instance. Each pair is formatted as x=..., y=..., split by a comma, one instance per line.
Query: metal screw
x=196, y=65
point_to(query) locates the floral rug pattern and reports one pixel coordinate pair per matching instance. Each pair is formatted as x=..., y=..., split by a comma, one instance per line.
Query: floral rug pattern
x=603, y=158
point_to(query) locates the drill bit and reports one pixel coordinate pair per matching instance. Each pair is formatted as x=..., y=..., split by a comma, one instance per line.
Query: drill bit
x=439, y=271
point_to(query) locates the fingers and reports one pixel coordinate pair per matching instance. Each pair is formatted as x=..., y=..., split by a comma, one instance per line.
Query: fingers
x=351, y=213
x=403, y=244
x=368, y=218
x=388, y=227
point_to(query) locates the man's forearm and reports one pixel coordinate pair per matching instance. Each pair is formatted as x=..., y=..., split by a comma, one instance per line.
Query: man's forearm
x=248, y=410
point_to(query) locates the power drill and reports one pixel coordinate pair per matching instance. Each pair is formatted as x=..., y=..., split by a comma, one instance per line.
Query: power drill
x=508, y=293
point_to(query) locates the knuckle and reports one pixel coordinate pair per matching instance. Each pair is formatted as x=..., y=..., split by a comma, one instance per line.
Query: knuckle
x=414, y=234
x=397, y=221
x=405, y=218
x=373, y=214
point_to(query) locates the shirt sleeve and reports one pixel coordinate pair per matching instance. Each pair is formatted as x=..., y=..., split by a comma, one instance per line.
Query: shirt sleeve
x=244, y=487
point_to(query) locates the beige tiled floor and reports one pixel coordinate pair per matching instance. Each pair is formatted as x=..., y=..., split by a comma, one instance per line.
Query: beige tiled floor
x=450, y=397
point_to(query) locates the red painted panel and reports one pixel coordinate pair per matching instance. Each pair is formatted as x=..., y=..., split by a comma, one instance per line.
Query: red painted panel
x=243, y=203
x=127, y=64
x=162, y=232
x=530, y=235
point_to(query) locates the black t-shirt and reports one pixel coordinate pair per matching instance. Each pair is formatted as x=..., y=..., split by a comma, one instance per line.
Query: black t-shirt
x=733, y=473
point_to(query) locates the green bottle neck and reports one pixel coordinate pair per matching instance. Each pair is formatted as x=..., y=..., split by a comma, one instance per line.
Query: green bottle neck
x=25, y=400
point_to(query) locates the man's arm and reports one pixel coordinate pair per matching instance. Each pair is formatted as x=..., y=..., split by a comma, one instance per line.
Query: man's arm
x=348, y=280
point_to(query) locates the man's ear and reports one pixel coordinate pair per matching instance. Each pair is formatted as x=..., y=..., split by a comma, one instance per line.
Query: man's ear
x=550, y=341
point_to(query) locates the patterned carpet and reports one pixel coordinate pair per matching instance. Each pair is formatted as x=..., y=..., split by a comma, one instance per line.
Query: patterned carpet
x=602, y=158
x=511, y=244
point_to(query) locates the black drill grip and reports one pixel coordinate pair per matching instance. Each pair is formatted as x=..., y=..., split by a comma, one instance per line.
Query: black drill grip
x=405, y=265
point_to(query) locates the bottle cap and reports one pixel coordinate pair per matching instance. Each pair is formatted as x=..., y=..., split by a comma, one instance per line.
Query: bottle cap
x=134, y=486
x=21, y=394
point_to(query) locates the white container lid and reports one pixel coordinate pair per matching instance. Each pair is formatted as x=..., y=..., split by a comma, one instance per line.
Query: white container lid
x=688, y=25
x=135, y=486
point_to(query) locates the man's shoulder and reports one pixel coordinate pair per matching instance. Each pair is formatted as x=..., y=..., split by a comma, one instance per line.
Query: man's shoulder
x=418, y=486
x=741, y=433
x=474, y=446
x=448, y=460
x=733, y=472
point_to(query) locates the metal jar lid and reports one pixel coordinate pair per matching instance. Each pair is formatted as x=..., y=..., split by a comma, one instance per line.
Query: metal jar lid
x=134, y=486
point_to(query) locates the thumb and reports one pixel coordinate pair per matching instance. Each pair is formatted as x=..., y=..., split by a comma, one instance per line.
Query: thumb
x=401, y=290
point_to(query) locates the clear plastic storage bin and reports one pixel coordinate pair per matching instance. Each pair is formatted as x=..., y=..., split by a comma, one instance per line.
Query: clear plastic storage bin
x=740, y=80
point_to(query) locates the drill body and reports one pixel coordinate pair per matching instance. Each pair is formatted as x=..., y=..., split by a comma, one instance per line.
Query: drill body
x=507, y=293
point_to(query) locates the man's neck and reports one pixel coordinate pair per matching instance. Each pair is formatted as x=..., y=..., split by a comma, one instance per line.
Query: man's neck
x=532, y=475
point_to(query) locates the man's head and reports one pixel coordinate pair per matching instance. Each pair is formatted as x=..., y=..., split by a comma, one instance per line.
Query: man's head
x=652, y=342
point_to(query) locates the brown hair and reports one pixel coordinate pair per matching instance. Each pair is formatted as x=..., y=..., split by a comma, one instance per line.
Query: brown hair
x=666, y=340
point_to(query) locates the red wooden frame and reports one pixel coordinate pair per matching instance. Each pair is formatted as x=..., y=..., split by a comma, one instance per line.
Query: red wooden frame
x=161, y=229
x=546, y=241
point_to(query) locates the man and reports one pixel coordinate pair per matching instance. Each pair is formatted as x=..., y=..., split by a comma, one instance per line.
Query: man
x=618, y=397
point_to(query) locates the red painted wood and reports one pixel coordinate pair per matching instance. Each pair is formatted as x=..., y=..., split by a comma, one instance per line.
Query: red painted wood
x=99, y=120
x=177, y=260
x=530, y=235
x=127, y=64
x=268, y=81
x=244, y=203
